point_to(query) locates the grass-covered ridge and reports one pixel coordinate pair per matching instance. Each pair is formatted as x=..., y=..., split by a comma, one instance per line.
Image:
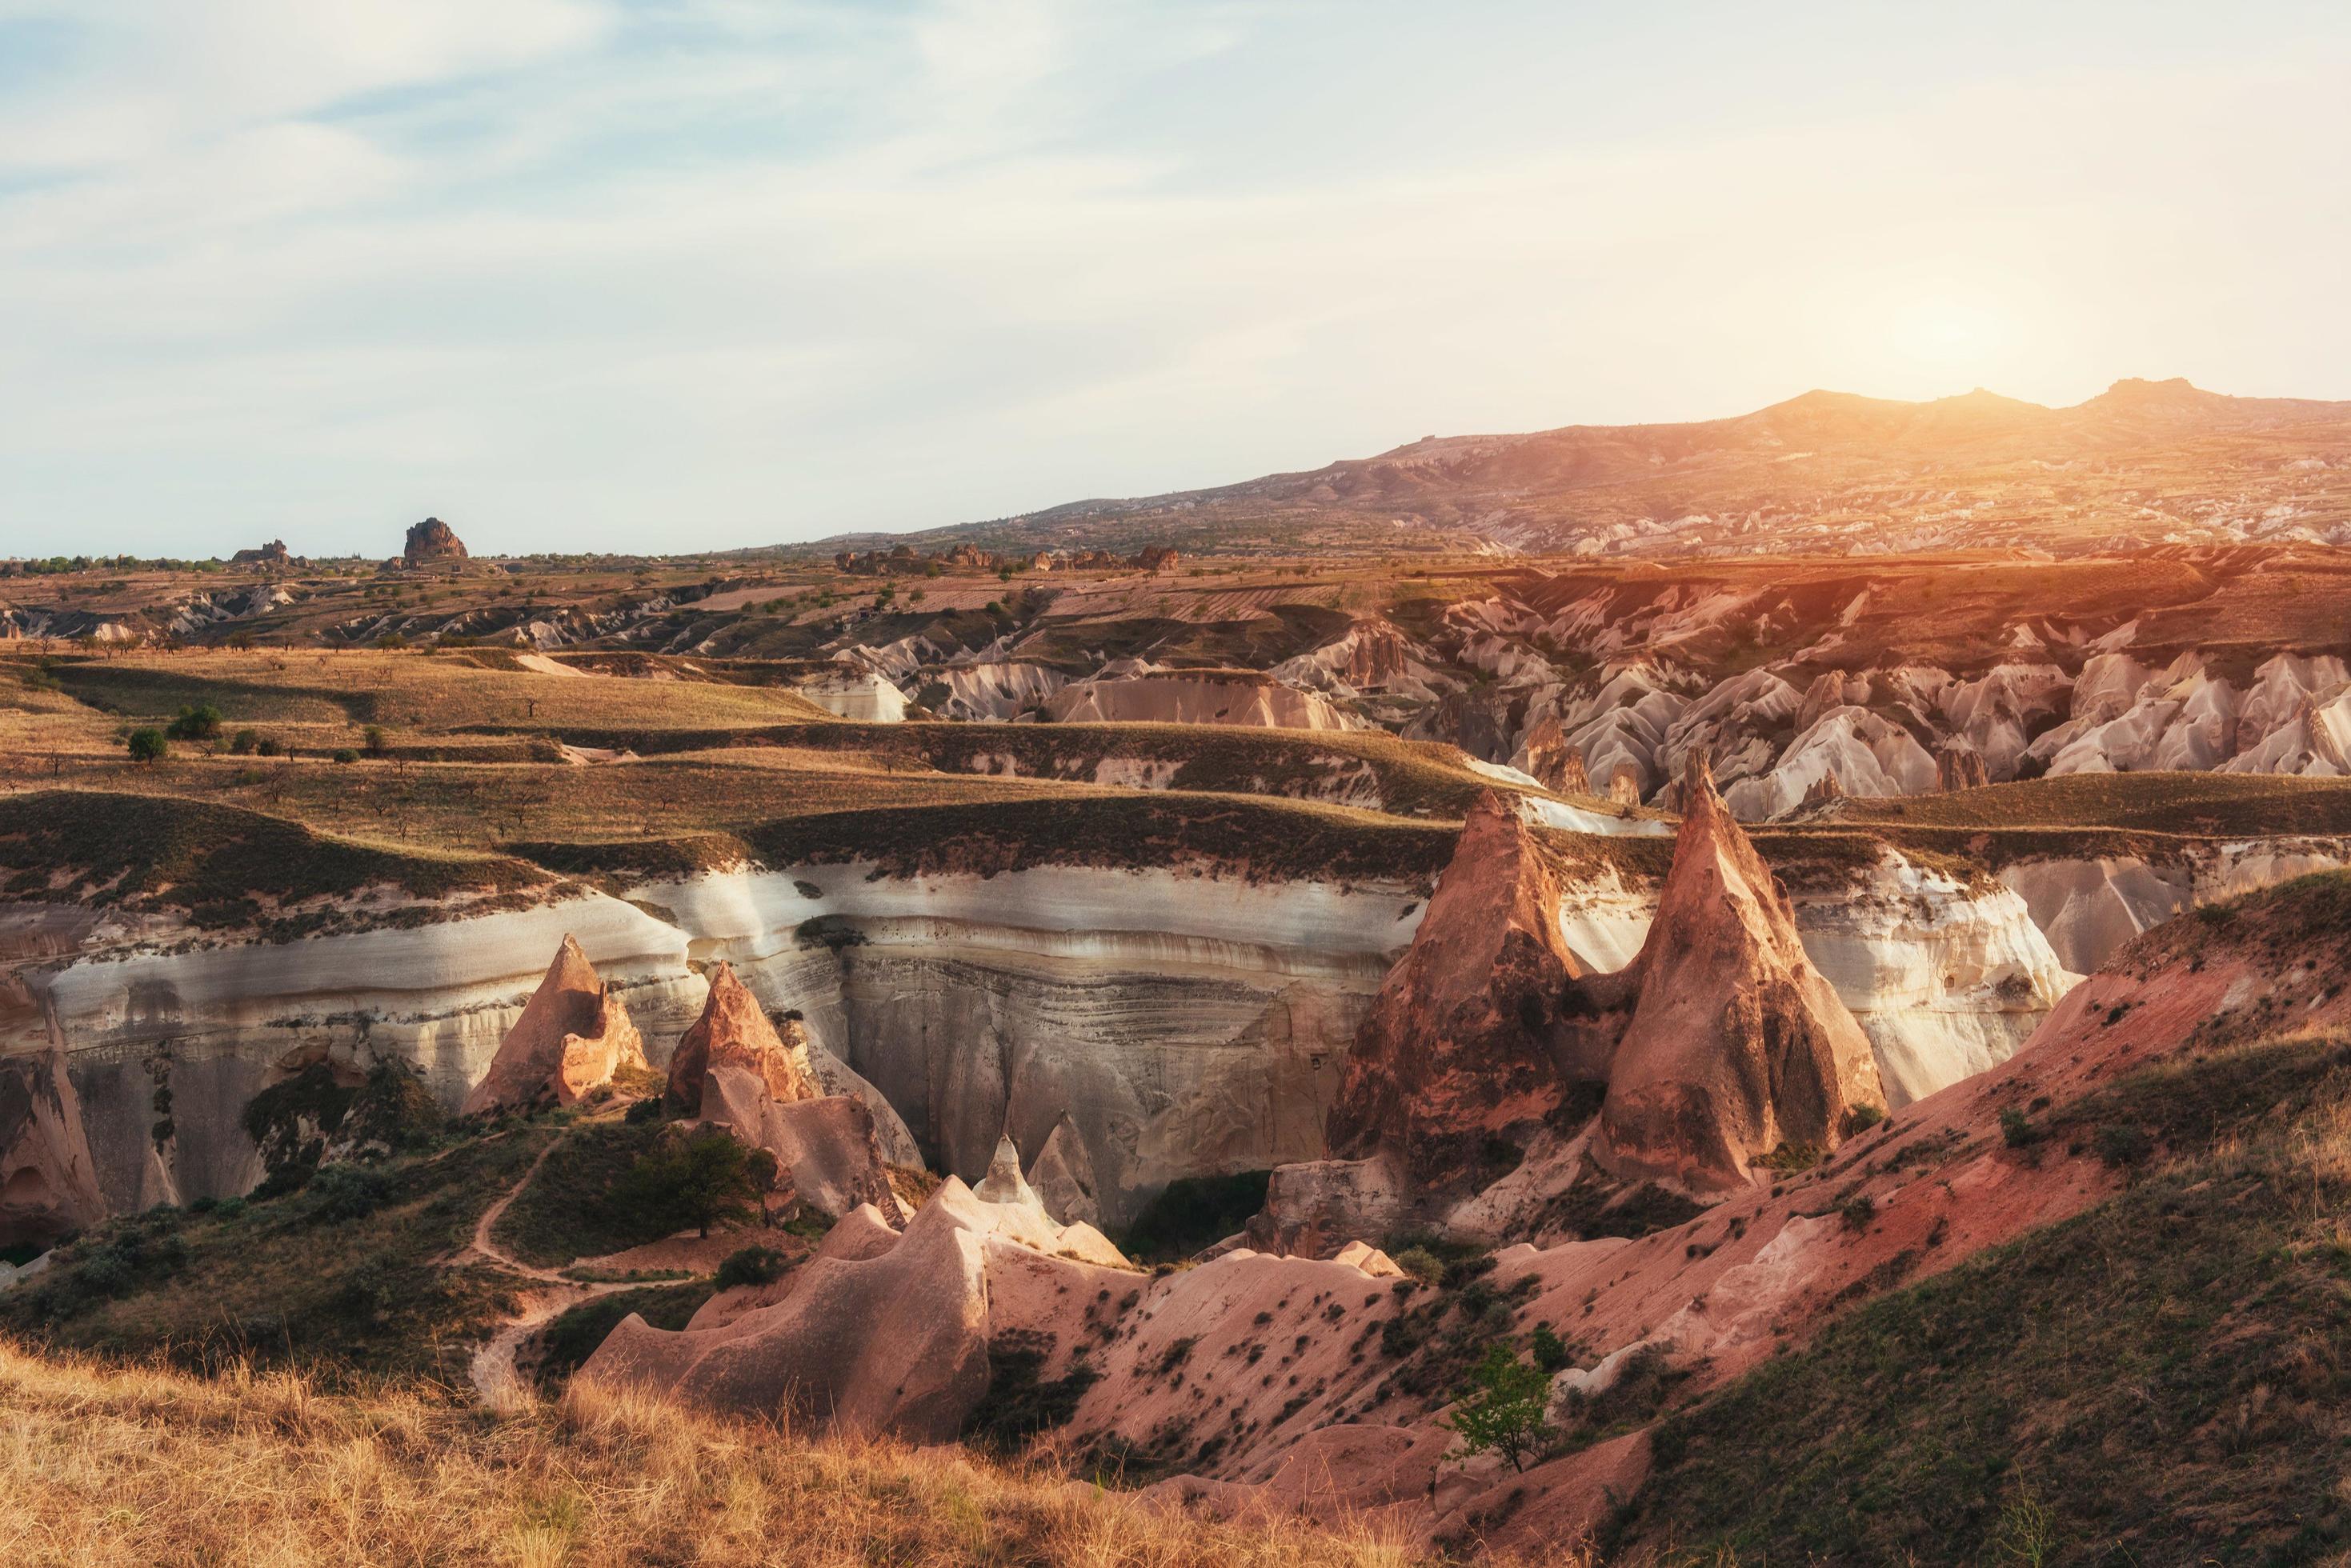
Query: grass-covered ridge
x=221, y=864
x=350, y=1277
x=2159, y=1380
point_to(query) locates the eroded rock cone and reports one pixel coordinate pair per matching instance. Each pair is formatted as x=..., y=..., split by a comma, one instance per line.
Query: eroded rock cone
x=734, y=1031
x=1736, y=1045
x=1062, y=1175
x=1004, y=1183
x=1459, y=1047
x=48, y=1183
x=573, y=1036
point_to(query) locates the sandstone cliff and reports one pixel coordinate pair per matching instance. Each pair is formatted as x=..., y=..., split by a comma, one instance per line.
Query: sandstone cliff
x=47, y=1187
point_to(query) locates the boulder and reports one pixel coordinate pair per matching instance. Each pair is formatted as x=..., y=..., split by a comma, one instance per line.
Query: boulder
x=1959, y=765
x=573, y=1036
x=1735, y=1043
x=734, y=1031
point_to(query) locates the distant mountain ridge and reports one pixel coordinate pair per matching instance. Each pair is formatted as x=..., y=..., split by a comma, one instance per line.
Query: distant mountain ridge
x=2143, y=463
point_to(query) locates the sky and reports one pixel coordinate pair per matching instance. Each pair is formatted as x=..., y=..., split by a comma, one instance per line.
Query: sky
x=681, y=275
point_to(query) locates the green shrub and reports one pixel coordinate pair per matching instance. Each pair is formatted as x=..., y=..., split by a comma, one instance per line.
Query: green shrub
x=345, y=754
x=1857, y=1211
x=701, y=1179
x=1505, y=1410
x=148, y=746
x=245, y=743
x=752, y=1266
x=1550, y=1352
x=2016, y=1129
x=1861, y=1119
x=2123, y=1144
x=1421, y=1264
x=200, y=723
x=340, y=1193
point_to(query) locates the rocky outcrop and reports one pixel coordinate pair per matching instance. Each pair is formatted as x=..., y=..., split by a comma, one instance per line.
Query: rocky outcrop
x=273, y=554
x=573, y=1035
x=734, y=1031
x=880, y=1333
x=1734, y=1044
x=433, y=541
x=827, y=1146
x=1459, y=1047
x=1196, y=697
x=48, y=1185
x=1959, y=765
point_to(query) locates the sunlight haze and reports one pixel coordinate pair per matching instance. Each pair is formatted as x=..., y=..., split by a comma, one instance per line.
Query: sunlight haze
x=710, y=274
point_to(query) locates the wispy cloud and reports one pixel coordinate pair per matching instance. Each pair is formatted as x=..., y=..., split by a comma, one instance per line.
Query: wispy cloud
x=712, y=272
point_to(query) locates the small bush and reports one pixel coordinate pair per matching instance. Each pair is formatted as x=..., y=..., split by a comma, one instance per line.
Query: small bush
x=2123, y=1144
x=341, y=1193
x=752, y=1266
x=1861, y=1119
x=1421, y=1264
x=148, y=746
x=200, y=723
x=1549, y=1350
x=245, y=743
x=345, y=754
x=1857, y=1211
x=2016, y=1129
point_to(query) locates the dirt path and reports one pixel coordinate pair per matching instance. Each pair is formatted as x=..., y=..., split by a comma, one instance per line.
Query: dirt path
x=492, y=1371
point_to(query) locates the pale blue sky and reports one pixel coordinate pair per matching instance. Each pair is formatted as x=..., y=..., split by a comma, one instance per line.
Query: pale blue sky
x=576, y=274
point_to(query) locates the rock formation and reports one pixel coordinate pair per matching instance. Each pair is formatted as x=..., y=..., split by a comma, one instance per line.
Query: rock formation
x=1460, y=1047
x=273, y=554
x=1062, y=1175
x=433, y=541
x=49, y=1189
x=828, y=1146
x=734, y=1031
x=573, y=1036
x=1735, y=1044
x=1549, y=758
x=1004, y=1183
x=880, y=1332
x=1959, y=765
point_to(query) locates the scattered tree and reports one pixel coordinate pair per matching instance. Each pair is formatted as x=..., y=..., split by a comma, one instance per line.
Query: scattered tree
x=1506, y=1408
x=700, y=1179
x=149, y=747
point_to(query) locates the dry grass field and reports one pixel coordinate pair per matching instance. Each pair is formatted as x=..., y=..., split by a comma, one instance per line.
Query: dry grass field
x=103, y=1466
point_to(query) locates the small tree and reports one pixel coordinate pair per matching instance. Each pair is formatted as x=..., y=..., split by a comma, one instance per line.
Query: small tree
x=700, y=1179
x=1506, y=1408
x=149, y=747
x=201, y=723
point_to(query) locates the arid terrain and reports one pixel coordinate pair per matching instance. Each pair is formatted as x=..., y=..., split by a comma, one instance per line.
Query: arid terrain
x=1532, y=1034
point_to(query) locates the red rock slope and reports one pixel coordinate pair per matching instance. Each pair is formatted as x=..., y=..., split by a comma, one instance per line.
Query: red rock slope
x=573, y=1036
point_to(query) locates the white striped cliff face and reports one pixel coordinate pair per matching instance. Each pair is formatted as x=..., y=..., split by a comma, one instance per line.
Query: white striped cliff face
x=1183, y=1022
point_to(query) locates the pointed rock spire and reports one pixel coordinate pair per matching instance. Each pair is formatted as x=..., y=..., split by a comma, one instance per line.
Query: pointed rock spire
x=1459, y=1046
x=573, y=1036
x=1736, y=1045
x=734, y=1031
x=1062, y=1175
x=1004, y=1183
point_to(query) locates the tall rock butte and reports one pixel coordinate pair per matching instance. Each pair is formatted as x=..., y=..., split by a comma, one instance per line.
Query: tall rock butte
x=1461, y=1044
x=573, y=1036
x=1735, y=1044
x=432, y=540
